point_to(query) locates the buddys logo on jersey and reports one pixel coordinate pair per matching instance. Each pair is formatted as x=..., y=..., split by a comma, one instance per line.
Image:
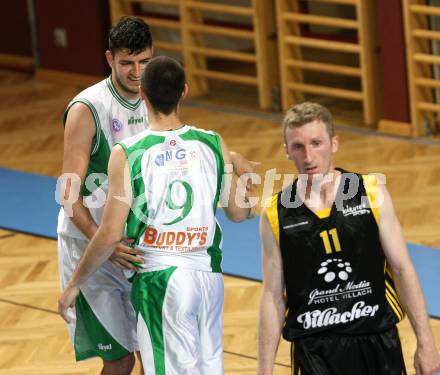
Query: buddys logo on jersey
x=116, y=125
x=191, y=239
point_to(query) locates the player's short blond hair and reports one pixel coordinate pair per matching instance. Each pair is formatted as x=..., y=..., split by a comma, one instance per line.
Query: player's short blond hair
x=306, y=112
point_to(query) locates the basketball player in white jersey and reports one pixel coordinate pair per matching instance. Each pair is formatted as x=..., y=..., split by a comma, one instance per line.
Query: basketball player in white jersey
x=172, y=176
x=104, y=322
x=95, y=120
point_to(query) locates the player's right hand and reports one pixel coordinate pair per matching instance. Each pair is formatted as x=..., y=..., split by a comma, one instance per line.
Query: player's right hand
x=427, y=360
x=244, y=168
x=66, y=300
x=124, y=256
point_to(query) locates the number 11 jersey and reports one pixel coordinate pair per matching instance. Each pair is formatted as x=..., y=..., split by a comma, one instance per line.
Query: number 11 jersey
x=336, y=275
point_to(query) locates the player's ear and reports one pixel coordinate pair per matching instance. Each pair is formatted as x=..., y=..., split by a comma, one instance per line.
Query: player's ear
x=184, y=92
x=335, y=143
x=109, y=58
x=286, y=150
x=141, y=92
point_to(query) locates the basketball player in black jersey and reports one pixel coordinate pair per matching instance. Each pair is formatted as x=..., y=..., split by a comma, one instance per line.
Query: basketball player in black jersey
x=337, y=274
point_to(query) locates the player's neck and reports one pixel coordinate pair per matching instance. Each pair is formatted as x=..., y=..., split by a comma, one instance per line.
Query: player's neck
x=161, y=122
x=127, y=95
x=319, y=193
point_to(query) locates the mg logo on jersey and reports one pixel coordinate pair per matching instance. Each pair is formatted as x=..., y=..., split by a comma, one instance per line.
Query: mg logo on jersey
x=169, y=155
x=159, y=160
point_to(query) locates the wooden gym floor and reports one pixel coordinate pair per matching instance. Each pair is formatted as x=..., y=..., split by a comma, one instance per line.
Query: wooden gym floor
x=33, y=338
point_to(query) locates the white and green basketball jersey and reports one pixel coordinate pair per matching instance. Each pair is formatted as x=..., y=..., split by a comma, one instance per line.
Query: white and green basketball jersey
x=176, y=180
x=115, y=119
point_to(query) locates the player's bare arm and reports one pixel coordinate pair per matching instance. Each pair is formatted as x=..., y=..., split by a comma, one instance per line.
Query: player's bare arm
x=78, y=137
x=426, y=358
x=237, y=208
x=109, y=233
x=272, y=304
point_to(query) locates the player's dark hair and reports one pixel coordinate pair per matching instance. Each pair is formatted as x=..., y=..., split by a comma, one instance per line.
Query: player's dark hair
x=163, y=82
x=130, y=33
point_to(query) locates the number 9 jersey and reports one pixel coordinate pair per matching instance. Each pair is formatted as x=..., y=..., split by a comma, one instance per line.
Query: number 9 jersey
x=336, y=275
x=176, y=178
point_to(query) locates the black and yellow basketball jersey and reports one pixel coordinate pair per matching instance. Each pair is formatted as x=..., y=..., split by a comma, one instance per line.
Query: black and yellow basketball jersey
x=336, y=276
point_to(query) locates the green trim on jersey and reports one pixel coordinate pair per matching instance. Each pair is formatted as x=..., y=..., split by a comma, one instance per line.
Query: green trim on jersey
x=124, y=102
x=135, y=227
x=215, y=251
x=89, y=105
x=99, y=159
x=100, y=153
x=91, y=338
x=212, y=140
x=147, y=296
x=98, y=163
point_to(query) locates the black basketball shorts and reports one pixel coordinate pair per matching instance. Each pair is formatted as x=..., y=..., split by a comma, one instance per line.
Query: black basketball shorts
x=372, y=354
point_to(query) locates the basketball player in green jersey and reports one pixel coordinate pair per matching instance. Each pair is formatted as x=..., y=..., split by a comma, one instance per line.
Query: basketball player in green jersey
x=95, y=120
x=172, y=176
x=337, y=274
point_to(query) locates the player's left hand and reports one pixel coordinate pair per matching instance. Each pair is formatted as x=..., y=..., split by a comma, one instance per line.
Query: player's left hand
x=67, y=300
x=427, y=361
x=125, y=256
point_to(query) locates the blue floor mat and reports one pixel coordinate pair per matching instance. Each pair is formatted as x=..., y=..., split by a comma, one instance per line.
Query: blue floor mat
x=27, y=205
x=427, y=263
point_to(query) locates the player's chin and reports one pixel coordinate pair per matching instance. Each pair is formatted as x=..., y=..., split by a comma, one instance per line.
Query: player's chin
x=132, y=90
x=132, y=86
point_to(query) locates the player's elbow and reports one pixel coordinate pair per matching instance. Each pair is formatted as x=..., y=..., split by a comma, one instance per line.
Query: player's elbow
x=238, y=218
x=237, y=215
x=403, y=270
